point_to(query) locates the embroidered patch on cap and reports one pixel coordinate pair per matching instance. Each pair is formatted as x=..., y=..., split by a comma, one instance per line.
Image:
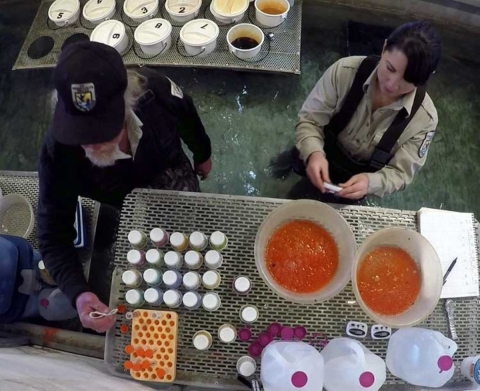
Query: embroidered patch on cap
x=83, y=96
x=425, y=144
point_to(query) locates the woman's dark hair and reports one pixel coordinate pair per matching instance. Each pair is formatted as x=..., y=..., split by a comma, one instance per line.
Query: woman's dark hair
x=422, y=47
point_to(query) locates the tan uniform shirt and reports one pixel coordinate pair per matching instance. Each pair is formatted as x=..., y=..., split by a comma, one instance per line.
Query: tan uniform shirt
x=366, y=129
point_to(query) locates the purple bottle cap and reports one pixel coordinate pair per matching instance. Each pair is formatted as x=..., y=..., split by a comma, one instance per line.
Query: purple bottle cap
x=244, y=334
x=255, y=349
x=275, y=329
x=300, y=332
x=265, y=338
x=299, y=379
x=287, y=334
x=367, y=379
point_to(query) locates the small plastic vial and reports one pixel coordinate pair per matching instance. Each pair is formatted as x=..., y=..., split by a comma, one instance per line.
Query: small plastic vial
x=173, y=260
x=159, y=237
x=192, y=300
x=227, y=333
x=198, y=241
x=202, y=340
x=172, y=279
x=172, y=298
x=218, y=241
x=154, y=296
x=154, y=257
x=211, y=279
x=192, y=281
x=211, y=301
x=249, y=313
x=134, y=297
x=193, y=259
x=242, y=285
x=246, y=366
x=137, y=239
x=136, y=257
x=152, y=277
x=179, y=241
x=132, y=278
x=213, y=259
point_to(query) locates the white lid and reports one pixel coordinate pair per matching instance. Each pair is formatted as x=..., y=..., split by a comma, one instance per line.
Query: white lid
x=210, y=278
x=177, y=239
x=191, y=280
x=171, y=258
x=199, y=32
x=182, y=7
x=192, y=258
x=152, y=295
x=134, y=237
x=152, y=32
x=111, y=33
x=190, y=299
x=129, y=277
x=242, y=284
x=156, y=234
x=230, y=7
x=172, y=297
x=210, y=301
x=170, y=277
x=98, y=9
x=201, y=342
x=247, y=368
x=212, y=257
x=249, y=314
x=133, y=296
x=136, y=8
x=151, y=276
x=227, y=334
x=197, y=239
x=217, y=238
x=134, y=257
x=65, y=8
x=41, y=264
x=153, y=255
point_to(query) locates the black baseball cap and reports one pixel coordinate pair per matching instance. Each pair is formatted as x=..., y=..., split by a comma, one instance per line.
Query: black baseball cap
x=90, y=80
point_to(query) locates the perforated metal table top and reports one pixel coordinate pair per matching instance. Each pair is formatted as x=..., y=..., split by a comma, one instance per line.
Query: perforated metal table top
x=284, y=55
x=239, y=218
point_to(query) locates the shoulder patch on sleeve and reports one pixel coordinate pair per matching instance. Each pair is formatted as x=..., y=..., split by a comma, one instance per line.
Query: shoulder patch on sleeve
x=425, y=144
x=175, y=90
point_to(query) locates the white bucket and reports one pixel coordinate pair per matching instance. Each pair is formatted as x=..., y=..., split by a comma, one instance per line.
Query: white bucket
x=64, y=12
x=183, y=10
x=111, y=33
x=154, y=36
x=271, y=20
x=97, y=11
x=245, y=30
x=199, y=37
x=140, y=10
x=229, y=11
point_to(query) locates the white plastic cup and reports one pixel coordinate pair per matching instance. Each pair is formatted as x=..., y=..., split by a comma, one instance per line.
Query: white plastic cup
x=245, y=30
x=198, y=241
x=246, y=366
x=199, y=37
x=193, y=259
x=154, y=296
x=242, y=285
x=213, y=259
x=154, y=257
x=64, y=12
x=97, y=11
x=179, y=241
x=183, y=10
x=218, y=241
x=132, y=278
x=172, y=298
x=173, y=260
x=192, y=300
x=172, y=279
x=159, y=237
x=134, y=297
x=140, y=10
x=152, y=277
x=249, y=313
x=202, y=340
x=227, y=333
x=211, y=279
x=211, y=301
x=192, y=281
x=271, y=20
x=137, y=239
x=136, y=257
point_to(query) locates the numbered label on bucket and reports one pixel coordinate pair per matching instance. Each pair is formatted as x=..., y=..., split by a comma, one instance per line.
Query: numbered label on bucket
x=144, y=10
x=158, y=25
x=357, y=329
x=116, y=36
x=380, y=332
x=182, y=10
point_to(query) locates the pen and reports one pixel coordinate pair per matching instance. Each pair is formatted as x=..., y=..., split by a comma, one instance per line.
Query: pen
x=450, y=268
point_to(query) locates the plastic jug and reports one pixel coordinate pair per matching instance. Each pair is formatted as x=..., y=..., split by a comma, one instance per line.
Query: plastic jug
x=351, y=366
x=291, y=366
x=421, y=357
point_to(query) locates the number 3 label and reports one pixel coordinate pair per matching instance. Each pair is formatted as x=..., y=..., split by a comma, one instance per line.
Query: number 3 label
x=144, y=10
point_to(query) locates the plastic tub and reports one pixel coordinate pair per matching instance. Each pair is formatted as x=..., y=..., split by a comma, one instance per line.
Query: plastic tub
x=98, y=11
x=183, y=10
x=199, y=37
x=140, y=10
x=64, y=12
x=271, y=20
x=229, y=11
x=154, y=36
x=111, y=33
x=428, y=263
x=329, y=219
x=16, y=215
x=245, y=30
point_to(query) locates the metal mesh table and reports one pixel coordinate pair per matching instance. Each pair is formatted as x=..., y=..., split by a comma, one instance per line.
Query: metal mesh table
x=284, y=56
x=239, y=218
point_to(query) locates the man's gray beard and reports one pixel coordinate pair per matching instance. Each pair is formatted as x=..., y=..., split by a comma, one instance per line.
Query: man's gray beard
x=105, y=159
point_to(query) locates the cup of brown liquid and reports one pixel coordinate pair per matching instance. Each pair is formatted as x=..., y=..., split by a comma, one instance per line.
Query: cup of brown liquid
x=245, y=40
x=271, y=13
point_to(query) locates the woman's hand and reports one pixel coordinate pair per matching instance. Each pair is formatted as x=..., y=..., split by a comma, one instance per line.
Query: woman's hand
x=355, y=188
x=317, y=170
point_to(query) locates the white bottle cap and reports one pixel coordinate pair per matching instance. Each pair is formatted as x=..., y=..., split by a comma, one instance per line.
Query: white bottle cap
x=242, y=284
x=191, y=280
x=190, y=300
x=213, y=259
x=135, y=237
x=172, y=259
x=246, y=366
x=172, y=297
x=157, y=235
x=130, y=277
x=134, y=257
x=153, y=256
x=249, y=314
x=170, y=278
x=227, y=334
x=210, y=278
x=197, y=239
x=133, y=296
x=152, y=276
x=201, y=342
x=177, y=239
x=211, y=301
x=153, y=295
x=192, y=258
x=217, y=238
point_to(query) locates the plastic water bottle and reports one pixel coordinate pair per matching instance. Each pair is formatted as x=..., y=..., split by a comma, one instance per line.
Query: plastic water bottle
x=351, y=366
x=421, y=357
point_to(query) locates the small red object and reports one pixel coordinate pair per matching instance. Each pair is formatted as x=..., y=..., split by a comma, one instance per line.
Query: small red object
x=275, y=329
x=128, y=365
x=140, y=352
x=149, y=353
x=265, y=338
x=121, y=309
x=124, y=329
x=145, y=364
x=287, y=334
x=136, y=367
x=255, y=349
x=129, y=349
x=244, y=334
x=161, y=373
x=300, y=332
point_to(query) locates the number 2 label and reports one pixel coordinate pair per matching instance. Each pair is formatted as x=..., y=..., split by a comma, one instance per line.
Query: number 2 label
x=182, y=10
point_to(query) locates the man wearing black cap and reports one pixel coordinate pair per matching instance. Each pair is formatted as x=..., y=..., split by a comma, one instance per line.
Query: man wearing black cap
x=112, y=131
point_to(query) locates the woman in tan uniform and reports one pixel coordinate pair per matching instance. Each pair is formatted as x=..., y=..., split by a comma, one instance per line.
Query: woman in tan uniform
x=368, y=122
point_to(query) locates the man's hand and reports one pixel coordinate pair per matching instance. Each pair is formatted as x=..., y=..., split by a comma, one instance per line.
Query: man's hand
x=355, y=188
x=317, y=170
x=203, y=169
x=88, y=302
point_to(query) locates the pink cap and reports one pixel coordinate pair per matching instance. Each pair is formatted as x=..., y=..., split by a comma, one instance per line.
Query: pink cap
x=367, y=379
x=299, y=379
x=300, y=332
x=244, y=334
x=255, y=349
x=265, y=338
x=287, y=334
x=275, y=329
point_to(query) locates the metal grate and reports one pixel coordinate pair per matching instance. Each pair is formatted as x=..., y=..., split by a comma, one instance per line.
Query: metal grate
x=284, y=56
x=26, y=184
x=239, y=218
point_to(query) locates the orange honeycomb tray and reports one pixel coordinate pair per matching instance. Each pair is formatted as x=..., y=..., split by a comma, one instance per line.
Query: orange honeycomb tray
x=153, y=349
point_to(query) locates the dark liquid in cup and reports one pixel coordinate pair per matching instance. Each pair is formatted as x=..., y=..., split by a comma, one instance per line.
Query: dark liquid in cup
x=273, y=9
x=245, y=43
